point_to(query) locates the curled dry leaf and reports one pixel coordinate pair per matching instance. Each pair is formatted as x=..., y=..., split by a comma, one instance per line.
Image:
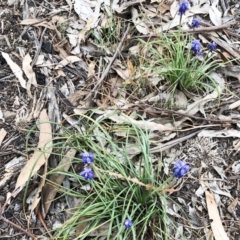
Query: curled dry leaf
x=68, y=60
x=39, y=156
x=38, y=23
x=232, y=206
x=215, y=15
x=122, y=118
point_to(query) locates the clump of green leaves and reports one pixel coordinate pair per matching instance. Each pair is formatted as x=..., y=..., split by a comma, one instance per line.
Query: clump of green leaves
x=109, y=34
x=117, y=195
x=171, y=57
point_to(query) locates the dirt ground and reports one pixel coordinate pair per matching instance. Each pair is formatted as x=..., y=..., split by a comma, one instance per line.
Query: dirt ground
x=53, y=57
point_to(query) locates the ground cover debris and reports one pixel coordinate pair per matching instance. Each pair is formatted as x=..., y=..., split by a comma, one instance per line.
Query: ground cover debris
x=119, y=119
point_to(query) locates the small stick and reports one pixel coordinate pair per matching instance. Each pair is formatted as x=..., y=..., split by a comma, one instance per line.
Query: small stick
x=225, y=46
x=19, y=152
x=38, y=47
x=206, y=29
x=18, y=227
x=109, y=65
x=198, y=30
x=161, y=111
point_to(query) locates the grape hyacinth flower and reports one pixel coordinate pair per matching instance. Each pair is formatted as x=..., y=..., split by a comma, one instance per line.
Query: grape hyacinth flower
x=180, y=169
x=127, y=223
x=196, y=46
x=200, y=54
x=212, y=46
x=196, y=22
x=183, y=7
x=87, y=173
x=87, y=157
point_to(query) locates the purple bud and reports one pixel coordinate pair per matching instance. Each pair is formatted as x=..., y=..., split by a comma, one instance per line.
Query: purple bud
x=196, y=22
x=183, y=7
x=127, y=223
x=87, y=157
x=196, y=46
x=180, y=169
x=212, y=46
x=87, y=173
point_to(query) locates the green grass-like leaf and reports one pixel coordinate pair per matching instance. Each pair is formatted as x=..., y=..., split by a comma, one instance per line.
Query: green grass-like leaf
x=171, y=58
x=112, y=199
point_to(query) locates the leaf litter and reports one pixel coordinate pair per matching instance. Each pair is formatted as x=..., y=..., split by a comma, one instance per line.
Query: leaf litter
x=201, y=128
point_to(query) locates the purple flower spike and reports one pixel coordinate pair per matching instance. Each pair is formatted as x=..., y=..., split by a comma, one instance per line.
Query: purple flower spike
x=200, y=54
x=87, y=173
x=196, y=46
x=127, y=223
x=87, y=157
x=212, y=46
x=180, y=169
x=195, y=22
x=183, y=7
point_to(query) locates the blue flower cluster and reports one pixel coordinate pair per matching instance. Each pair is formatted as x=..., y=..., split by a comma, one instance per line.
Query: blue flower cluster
x=196, y=47
x=195, y=22
x=183, y=7
x=87, y=158
x=127, y=223
x=180, y=169
x=88, y=174
x=212, y=46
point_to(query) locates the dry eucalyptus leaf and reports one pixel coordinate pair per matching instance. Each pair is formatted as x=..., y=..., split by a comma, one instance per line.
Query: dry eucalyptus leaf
x=15, y=69
x=69, y=2
x=122, y=118
x=216, y=224
x=27, y=68
x=38, y=23
x=234, y=105
x=40, y=156
x=220, y=133
x=3, y=133
x=233, y=205
x=68, y=60
x=139, y=24
x=84, y=9
x=215, y=15
x=50, y=190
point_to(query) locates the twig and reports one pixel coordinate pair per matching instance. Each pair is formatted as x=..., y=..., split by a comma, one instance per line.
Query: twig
x=18, y=227
x=172, y=143
x=108, y=66
x=206, y=29
x=161, y=111
x=201, y=29
x=225, y=46
x=39, y=43
x=19, y=152
x=43, y=222
x=7, y=77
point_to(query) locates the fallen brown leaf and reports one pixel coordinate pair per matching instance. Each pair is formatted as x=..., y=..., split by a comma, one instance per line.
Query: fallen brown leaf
x=41, y=155
x=2, y=135
x=15, y=69
x=216, y=224
x=38, y=23
x=50, y=190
